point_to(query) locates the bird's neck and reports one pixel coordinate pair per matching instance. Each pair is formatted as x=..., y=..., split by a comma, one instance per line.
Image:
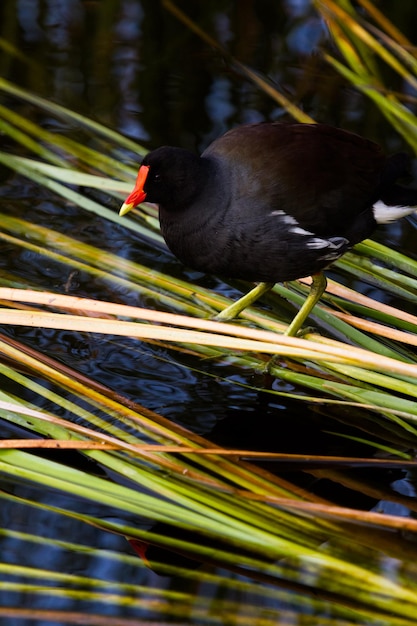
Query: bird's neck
x=198, y=188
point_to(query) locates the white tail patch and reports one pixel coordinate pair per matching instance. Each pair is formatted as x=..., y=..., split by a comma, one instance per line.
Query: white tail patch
x=384, y=214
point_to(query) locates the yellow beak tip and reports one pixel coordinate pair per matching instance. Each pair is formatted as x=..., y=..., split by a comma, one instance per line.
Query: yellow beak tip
x=125, y=208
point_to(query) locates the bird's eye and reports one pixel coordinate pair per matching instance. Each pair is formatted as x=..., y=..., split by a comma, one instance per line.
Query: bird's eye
x=157, y=177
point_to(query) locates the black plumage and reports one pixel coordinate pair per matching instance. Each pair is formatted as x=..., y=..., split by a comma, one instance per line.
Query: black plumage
x=272, y=202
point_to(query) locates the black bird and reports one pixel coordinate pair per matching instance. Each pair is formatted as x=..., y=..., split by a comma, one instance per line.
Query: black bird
x=272, y=202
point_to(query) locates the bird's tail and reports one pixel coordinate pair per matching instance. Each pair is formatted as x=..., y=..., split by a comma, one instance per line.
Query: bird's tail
x=386, y=213
x=395, y=201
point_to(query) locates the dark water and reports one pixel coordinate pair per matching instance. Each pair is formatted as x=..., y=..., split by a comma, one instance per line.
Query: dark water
x=133, y=67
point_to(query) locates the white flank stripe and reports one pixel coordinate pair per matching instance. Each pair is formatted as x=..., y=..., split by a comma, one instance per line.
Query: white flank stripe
x=288, y=219
x=317, y=243
x=297, y=230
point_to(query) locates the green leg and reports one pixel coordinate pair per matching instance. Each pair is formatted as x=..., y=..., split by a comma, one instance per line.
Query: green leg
x=232, y=311
x=318, y=287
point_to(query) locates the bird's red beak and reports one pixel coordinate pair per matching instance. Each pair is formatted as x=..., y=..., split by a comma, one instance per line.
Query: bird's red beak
x=138, y=195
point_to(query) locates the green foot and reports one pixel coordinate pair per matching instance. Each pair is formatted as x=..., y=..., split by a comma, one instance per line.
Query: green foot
x=232, y=311
x=318, y=287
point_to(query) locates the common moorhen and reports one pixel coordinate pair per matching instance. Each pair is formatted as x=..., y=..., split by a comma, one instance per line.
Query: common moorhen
x=272, y=202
